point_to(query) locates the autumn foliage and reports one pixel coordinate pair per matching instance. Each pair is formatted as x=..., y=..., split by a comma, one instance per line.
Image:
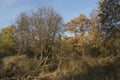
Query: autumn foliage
x=39, y=47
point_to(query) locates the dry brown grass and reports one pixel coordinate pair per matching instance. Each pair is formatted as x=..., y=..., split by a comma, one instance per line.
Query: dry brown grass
x=68, y=68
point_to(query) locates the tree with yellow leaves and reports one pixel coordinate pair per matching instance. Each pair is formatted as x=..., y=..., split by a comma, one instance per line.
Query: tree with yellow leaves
x=8, y=40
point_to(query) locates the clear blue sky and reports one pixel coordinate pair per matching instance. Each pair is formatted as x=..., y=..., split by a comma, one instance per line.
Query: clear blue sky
x=10, y=9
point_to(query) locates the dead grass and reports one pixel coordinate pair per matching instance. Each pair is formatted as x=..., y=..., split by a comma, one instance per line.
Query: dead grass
x=68, y=68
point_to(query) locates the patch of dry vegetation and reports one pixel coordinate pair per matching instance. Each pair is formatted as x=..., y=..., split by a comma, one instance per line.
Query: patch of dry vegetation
x=36, y=48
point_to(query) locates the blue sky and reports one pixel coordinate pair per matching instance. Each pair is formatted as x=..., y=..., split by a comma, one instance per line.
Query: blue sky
x=10, y=9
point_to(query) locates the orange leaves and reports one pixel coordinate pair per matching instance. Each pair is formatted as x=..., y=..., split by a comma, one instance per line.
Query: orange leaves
x=78, y=24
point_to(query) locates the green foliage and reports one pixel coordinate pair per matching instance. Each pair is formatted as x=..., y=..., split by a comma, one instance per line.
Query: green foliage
x=7, y=40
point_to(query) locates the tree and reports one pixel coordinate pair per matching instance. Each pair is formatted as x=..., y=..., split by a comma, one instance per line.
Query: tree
x=95, y=35
x=8, y=40
x=23, y=32
x=39, y=31
x=109, y=17
x=79, y=25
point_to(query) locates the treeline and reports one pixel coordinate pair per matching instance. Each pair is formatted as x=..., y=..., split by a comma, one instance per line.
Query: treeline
x=39, y=44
